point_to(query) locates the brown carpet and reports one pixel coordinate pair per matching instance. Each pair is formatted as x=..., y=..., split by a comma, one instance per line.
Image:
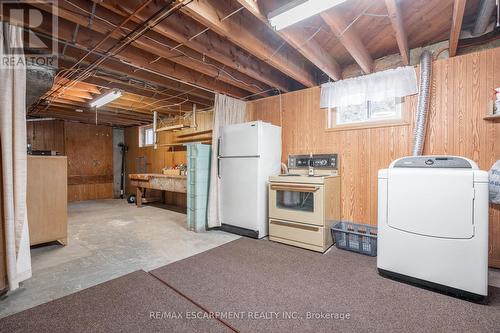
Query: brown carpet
x=120, y=305
x=260, y=276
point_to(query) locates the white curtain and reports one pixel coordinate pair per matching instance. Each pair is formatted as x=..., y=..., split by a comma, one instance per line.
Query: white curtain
x=392, y=83
x=14, y=158
x=227, y=110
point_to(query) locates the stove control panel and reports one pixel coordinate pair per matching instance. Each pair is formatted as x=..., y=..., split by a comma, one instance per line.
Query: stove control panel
x=319, y=161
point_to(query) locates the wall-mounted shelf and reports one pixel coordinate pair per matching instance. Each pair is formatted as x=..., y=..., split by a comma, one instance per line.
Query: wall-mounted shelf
x=492, y=117
x=187, y=135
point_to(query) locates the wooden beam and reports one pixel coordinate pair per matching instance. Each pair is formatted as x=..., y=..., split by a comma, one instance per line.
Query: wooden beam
x=394, y=11
x=126, y=69
x=248, y=38
x=156, y=43
x=349, y=38
x=179, y=28
x=292, y=35
x=120, y=68
x=172, y=128
x=142, y=56
x=456, y=25
x=140, y=90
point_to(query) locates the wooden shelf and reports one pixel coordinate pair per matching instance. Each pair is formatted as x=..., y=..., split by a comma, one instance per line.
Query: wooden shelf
x=188, y=135
x=172, y=128
x=492, y=117
x=194, y=140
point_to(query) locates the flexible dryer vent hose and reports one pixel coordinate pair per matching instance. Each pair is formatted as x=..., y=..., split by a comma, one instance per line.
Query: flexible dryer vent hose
x=423, y=102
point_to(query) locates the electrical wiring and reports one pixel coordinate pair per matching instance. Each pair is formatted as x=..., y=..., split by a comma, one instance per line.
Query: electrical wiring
x=151, y=22
x=176, y=48
x=220, y=70
x=96, y=73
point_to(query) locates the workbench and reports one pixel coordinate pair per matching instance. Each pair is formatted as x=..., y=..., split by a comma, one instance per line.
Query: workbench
x=157, y=181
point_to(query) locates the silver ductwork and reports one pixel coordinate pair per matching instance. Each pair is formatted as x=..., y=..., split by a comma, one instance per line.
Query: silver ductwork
x=486, y=9
x=423, y=102
x=39, y=80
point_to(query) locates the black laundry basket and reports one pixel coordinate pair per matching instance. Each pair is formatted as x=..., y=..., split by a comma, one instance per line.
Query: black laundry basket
x=354, y=237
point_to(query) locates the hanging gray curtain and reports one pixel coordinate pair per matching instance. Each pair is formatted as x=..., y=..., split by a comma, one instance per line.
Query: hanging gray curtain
x=13, y=155
x=227, y=110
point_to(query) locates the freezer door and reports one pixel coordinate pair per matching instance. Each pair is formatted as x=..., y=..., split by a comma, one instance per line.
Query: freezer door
x=240, y=197
x=240, y=139
x=431, y=202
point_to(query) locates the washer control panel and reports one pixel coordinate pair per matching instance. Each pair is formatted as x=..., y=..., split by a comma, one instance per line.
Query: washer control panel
x=433, y=162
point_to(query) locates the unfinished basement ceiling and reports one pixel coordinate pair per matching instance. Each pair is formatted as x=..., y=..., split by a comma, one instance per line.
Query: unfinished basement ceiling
x=226, y=46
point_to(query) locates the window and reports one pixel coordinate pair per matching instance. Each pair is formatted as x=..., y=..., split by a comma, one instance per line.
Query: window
x=370, y=114
x=146, y=136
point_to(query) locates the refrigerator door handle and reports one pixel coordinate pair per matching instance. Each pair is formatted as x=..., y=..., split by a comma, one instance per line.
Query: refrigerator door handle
x=218, y=146
x=218, y=167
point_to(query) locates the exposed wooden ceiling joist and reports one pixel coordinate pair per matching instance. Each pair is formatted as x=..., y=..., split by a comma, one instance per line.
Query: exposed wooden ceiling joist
x=185, y=32
x=157, y=44
x=89, y=117
x=456, y=25
x=163, y=94
x=349, y=38
x=197, y=96
x=394, y=11
x=308, y=47
x=140, y=58
x=209, y=14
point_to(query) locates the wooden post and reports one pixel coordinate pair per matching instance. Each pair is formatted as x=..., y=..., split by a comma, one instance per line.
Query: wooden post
x=138, y=197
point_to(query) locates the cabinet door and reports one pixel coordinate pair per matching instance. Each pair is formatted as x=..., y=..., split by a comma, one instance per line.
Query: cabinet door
x=47, y=199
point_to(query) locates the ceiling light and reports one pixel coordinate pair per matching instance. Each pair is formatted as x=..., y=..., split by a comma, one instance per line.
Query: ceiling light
x=299, y=10
x=106, y=98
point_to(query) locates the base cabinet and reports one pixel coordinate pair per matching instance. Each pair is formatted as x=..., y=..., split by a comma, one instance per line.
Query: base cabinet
x=47, y=199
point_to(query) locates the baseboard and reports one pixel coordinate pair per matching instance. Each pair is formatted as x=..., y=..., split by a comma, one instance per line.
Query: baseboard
x=495, y=263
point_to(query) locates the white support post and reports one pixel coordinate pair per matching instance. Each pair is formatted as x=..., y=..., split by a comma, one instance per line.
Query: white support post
x=193, y=120
x=155, y=123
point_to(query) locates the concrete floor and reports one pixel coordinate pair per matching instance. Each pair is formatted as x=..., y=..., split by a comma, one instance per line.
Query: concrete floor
x=107, y=239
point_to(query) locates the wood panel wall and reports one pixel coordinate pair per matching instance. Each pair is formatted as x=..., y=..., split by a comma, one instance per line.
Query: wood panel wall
x=461, y=92
x=162, y=157
x=46, y=135
x=89, y=149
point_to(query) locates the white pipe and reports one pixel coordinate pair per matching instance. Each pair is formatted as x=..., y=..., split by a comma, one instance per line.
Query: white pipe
x=193, y=120
x=155, y=124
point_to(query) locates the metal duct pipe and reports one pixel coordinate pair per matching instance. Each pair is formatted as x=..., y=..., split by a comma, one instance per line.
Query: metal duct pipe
x=423, y=102
x=486, y=9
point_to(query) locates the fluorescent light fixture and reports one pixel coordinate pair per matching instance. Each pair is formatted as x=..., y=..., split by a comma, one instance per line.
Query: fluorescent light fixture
x=299, y=10
x=106, y=98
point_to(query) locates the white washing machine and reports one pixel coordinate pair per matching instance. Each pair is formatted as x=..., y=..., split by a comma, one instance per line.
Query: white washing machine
x=433, y=224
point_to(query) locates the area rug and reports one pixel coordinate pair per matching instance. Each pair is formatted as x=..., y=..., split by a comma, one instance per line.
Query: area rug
x=262, y=286
x=136, y=302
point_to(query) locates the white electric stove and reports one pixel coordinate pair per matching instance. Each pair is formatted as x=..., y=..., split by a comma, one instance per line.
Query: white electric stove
x=304, y=202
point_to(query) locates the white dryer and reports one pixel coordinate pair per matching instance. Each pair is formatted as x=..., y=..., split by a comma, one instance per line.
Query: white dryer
x=433, y=224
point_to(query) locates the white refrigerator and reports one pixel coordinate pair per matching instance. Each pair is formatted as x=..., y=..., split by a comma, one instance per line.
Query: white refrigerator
x=248, y=154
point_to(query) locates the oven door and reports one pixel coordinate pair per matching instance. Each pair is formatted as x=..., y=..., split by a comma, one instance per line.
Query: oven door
x=296, y=202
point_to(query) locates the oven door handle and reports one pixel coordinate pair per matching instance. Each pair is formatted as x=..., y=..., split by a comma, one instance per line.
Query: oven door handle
x=289, y=188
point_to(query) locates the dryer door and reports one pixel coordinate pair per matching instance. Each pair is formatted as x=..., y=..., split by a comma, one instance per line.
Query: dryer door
x=431, y=202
